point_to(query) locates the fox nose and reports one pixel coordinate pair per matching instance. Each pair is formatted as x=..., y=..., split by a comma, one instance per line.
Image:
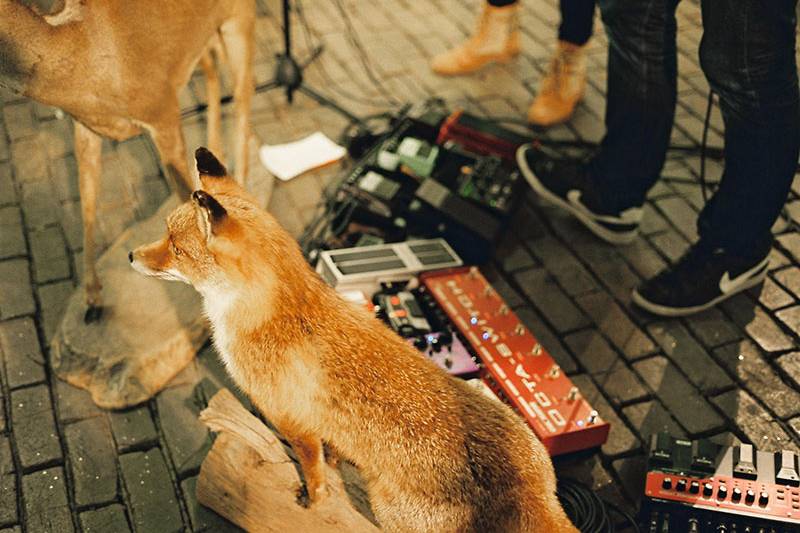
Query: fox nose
x=130, y=257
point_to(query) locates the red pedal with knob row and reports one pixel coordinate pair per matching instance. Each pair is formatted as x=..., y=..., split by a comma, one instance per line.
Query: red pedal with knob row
x=703, y=484
x=515, y=366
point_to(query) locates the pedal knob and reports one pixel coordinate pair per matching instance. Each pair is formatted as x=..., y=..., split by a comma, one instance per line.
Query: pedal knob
x=736, y=495
x=763, y=498
x=708, y=490
x=666, y=483
x=749, y=496
x=694, y=487
x=680, y=485
x=722, y=492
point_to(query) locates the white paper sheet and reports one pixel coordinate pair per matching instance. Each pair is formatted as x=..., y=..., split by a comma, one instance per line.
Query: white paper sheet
x=289, y=160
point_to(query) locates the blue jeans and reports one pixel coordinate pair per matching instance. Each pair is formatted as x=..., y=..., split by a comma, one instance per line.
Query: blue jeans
x=748, y=56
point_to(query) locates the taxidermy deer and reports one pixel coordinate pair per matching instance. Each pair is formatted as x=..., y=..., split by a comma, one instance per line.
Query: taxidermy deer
x=117, y=66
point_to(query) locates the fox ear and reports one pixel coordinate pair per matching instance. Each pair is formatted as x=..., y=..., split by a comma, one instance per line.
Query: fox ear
x=211, y=213
x=208, y=164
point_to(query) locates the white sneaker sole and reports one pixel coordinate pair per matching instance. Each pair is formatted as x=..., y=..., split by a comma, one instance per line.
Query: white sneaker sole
x=664, y=310
x=613, y=237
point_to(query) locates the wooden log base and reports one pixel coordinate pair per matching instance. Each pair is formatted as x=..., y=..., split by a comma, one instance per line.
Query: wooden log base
x=249, y=479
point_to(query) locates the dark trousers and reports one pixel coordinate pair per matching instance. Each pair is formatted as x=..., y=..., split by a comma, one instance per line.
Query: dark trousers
x=577, y=17
x=748, y=55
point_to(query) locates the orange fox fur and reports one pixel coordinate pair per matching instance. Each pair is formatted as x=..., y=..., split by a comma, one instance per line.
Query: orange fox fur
x=436, y=454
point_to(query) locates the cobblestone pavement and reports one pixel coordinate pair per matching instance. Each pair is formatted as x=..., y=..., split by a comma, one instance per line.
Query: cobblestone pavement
x=732, y=372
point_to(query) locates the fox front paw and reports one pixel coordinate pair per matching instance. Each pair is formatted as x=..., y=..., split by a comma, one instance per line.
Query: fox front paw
x=306, y=499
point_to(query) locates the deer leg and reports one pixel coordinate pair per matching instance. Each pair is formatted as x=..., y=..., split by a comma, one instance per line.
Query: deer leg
x=168, y=138
x=213, y=116
x=237, y=36
x=88, y=148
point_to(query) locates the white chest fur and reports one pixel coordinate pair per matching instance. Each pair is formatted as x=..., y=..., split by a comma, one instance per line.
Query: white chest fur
x=218, y=303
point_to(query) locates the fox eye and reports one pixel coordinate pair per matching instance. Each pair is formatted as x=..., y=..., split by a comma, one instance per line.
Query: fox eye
x=176, y=250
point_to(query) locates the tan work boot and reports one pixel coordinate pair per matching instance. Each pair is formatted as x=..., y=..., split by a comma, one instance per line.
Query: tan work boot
x=497, y=39
x=562, y=88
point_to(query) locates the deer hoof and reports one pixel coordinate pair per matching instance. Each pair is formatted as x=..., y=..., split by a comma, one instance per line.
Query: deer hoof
x=93, y=314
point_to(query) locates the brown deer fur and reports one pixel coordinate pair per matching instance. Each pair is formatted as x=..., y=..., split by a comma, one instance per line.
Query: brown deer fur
x=117, y=66
x=436, y=454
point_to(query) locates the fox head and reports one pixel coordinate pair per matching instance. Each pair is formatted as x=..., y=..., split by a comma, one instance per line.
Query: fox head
x=218, y=238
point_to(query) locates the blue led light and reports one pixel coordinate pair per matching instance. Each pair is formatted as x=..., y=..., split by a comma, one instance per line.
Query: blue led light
x=473, y=320
x=485, y=335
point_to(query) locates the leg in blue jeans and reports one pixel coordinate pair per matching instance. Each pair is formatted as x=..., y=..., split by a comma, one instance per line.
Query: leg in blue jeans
x=640, y=106
x=747, y=53
x=748, y=56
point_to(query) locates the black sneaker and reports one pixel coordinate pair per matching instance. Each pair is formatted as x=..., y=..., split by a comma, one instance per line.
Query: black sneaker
x=702, y=278
x=563, y=182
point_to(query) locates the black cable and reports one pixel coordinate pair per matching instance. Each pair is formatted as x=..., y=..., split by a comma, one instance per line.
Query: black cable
x=310, y=37
x=588, y=512
x=363, y=57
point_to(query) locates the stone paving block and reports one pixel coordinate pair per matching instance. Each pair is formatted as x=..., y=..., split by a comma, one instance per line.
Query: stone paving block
x=133, y=429
x=681, y=214
x=64, y=176
x=643, y=258
x=93, y=461
x=154, y=505
x=533, y=321
x=8, y=500
x=56, y=137
x=6, y=459
x=605, y=263
x=8, y=192
x=592, y=350
x=105, y=520
x=19, y=120
x=203, y=518
x=790, y=317
x=789, y=278
x=53, y=299
x=620, y=439
x=612, y=321
x=550, y=300
x=713, y=328
x=511, y=255
x=790, y=363
x=188, y=440
x=48, y=251
x=760, y=428
x=34, y=427
x=650, y=418
x=24, y=362
x=757, y=324
x=772, y=296
x=16, y=298
x=73, y=403
x=29, y=160
x=632, y=472
x=745, y=362
x=690, y=409
x=12, y=236
x=689, y=356
x=670, y=244
x=565, y=267
x=45, y=497
x=39, y=204
x=791, y=243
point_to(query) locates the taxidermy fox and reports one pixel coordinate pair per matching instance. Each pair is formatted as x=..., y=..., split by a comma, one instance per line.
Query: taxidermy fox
x=436, y=454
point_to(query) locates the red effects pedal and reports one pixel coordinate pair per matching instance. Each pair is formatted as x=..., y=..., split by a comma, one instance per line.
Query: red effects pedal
x=515, y=365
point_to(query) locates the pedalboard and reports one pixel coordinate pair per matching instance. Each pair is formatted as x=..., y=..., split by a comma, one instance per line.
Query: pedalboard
x=700, y=486
x=515, y=366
